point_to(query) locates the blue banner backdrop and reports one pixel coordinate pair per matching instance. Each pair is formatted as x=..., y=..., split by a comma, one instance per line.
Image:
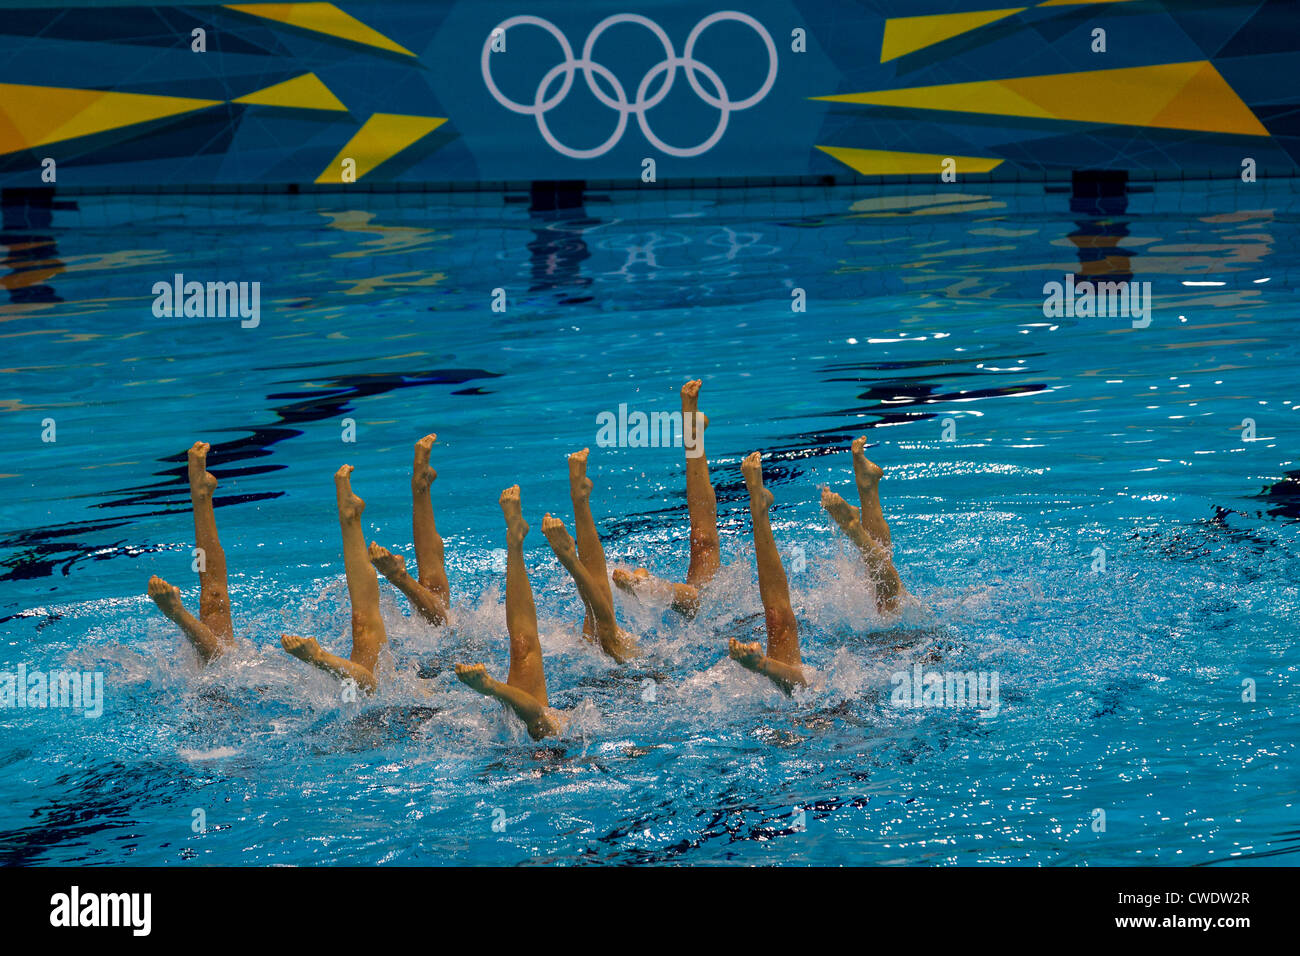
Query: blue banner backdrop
x=484, y=91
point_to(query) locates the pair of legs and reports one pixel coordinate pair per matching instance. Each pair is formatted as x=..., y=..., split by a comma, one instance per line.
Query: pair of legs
x=702, y=503
x=781, y=663
x=212, y=633
x=524, y=691
x=867, y=529
x=368, y=634
x=430, y=595
x=586, y=563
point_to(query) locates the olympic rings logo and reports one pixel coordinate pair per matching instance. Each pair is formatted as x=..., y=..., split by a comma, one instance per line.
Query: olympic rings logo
x=718, y=98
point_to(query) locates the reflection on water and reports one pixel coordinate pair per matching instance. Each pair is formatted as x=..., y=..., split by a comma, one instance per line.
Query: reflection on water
x=32, y=257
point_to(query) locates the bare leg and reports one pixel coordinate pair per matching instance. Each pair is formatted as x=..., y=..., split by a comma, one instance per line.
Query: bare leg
x=866, y=475
x=214, y=597
x=541, y=720
x=615, y=642
x=682, y=598
x=751, y=657
x=393, y=566
x=368, y=634
x=307, y=649
x=525, y=689
x=590, y=551
x=889, y=587
x=428, y=544
x=168, y=599
x=706, y=557
x=782, y=662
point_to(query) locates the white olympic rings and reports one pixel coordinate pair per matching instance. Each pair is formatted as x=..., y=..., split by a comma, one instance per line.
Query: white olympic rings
x=718, y=99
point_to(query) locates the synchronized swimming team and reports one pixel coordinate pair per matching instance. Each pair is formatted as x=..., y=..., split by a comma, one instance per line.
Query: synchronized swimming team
x=429, y=594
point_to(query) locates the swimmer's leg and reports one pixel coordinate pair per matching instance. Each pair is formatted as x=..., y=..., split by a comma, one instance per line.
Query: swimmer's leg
x=782, y=662
x=168, y=599
x=307, y=649
x=429, y=562
x=866, y=475
x=751, y=657
x=368, y=634
x=616, y=642
x=541, y=721
x=682, y=598
x=889, y=586
x=521, y=614
x=525, y=689
x=214, y=597
x=590, y=551
x=702, y=502
x=393, y=566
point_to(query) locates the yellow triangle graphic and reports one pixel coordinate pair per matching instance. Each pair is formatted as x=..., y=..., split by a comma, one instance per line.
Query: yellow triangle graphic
x=1167, y=96
x=36, y=115
x=908, y=34
x=304, y=92
x=981, y=96
x=382, y=137
x=887, y=162
x=321, y=18
x=1207, y=93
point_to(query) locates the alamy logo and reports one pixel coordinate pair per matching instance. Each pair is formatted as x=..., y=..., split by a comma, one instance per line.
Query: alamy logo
x=654, y=430
x=717, y=96
x=921, y=688
x=36, y=689
x=75, y=908
x=1086, y=299
x=215, y=300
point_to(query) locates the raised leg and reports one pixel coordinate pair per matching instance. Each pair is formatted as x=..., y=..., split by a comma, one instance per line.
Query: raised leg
x=782, y=662
x=702, y=503
x=751, y=657
x=616, y=642
x=889, y=587
x=429, y=562
x=368, y=634
x=866, y=475
x=168, y=599
x=521, y=615
x=307, y=649
x=706, y=557
x=682, y=598
x=525, y=689
x=590, y=551
x=214, y=597
x=429, y=605
x=541, y=721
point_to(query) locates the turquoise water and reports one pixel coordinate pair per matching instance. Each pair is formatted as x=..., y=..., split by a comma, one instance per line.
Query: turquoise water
x=1121, y=688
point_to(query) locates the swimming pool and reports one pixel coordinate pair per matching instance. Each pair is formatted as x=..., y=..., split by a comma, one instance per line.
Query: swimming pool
x=1015, y=446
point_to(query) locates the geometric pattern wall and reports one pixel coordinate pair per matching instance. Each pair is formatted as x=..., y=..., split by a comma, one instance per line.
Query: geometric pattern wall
x=416, y=91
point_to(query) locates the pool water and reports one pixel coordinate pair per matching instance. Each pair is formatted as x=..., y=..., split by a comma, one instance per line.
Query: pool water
x=1080, y=507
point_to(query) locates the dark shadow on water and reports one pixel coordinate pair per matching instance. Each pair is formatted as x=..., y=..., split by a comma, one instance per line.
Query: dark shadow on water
x=40, y=552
